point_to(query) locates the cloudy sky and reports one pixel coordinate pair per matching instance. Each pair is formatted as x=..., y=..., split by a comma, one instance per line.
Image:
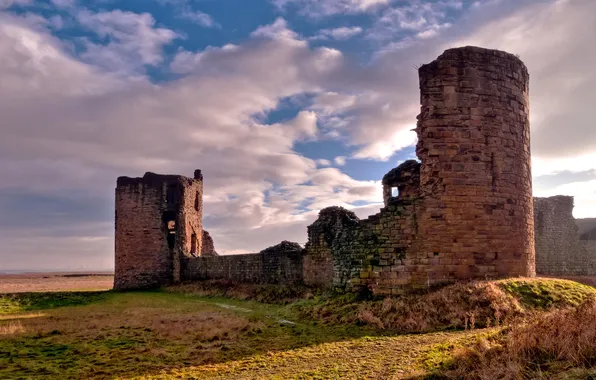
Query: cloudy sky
x=287, y=106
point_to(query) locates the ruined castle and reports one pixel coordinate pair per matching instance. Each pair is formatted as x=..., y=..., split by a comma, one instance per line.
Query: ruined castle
x=463, y=211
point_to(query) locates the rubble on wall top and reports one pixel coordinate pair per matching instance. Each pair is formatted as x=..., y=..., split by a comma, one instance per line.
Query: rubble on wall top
x=467, y=53
x=150, y=178
x=395, y=174
x=334, y=211
x=283, y=247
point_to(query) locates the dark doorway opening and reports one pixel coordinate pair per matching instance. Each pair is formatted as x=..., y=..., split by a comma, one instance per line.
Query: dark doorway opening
x=169, y=219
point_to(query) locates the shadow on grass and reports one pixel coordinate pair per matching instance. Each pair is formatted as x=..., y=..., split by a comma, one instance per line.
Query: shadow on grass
x=149, y=333
x=12, y=303
x=155, y=332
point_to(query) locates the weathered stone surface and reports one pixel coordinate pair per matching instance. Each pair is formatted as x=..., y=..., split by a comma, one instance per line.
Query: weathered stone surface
x=283, y=248
x=208, y=246
x=465, y=211
x=318, y=263
x=147, y=251
x=406, y=178
x=560, y=249
x=270, y=267
x=474, y=145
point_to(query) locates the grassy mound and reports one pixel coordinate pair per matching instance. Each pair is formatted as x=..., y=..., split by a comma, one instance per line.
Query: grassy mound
x=559, y=344
x=545, y=293
x=463, y=305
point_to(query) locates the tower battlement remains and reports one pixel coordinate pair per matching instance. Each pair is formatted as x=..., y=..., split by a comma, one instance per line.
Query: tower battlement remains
x=158, y=222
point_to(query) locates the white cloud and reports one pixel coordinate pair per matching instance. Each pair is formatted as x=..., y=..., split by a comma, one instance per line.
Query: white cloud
x=64, y=3
x=320, y=8
x=340, y=160
x=423, y=19
x=5, y=4
x=200, y=18
x=134, y=40
x=343, y=33
x=90, y=125
x=184, y=10
x=278, y=30
x=304, y=125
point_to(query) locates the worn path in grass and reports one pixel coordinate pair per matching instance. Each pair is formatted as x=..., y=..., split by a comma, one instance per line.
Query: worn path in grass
x=165, y=335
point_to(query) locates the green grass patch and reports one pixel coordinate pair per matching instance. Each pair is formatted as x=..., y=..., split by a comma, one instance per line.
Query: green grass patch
x=190, y=333
x=150, y=332
x=543, y=293
x=24, y=302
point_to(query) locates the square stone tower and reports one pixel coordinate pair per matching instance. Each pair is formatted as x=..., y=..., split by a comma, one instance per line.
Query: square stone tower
x=158, y=220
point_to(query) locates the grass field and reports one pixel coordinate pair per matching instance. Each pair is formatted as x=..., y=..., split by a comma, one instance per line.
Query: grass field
x=54, y=282
x=194, y=333
x=163, y=335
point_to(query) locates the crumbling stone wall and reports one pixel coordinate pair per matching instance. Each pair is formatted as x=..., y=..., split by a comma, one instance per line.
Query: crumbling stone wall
x=560, y=249
x=350, y=253
x=158, y=220
x=208, y=245
x=465, y=211
x=280, y=264
x=405, y=178
x=323, y=235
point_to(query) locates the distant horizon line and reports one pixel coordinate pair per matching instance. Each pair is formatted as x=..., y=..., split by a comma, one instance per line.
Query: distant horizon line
x=22, y=271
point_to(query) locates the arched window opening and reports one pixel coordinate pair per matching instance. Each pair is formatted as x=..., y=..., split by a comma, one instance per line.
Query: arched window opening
x=197, y=201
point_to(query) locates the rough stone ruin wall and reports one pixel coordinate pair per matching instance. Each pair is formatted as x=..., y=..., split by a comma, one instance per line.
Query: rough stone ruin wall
x=158, y=220
x=208, y=248
x=474, y=144
x=280, y=264
x=560, y=248
x=466, y=210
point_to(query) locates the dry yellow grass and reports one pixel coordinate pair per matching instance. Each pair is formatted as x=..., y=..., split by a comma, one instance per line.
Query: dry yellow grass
x=476, y=304
x=177, y=334
x=11, y=328
x=558, y=344
x=53, y=282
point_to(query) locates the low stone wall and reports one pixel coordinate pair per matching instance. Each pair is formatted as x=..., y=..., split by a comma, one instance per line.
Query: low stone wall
x=254, y=268
x=559, y=249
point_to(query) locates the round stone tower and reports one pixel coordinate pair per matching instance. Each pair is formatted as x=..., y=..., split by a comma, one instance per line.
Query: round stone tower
x=475, y=178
